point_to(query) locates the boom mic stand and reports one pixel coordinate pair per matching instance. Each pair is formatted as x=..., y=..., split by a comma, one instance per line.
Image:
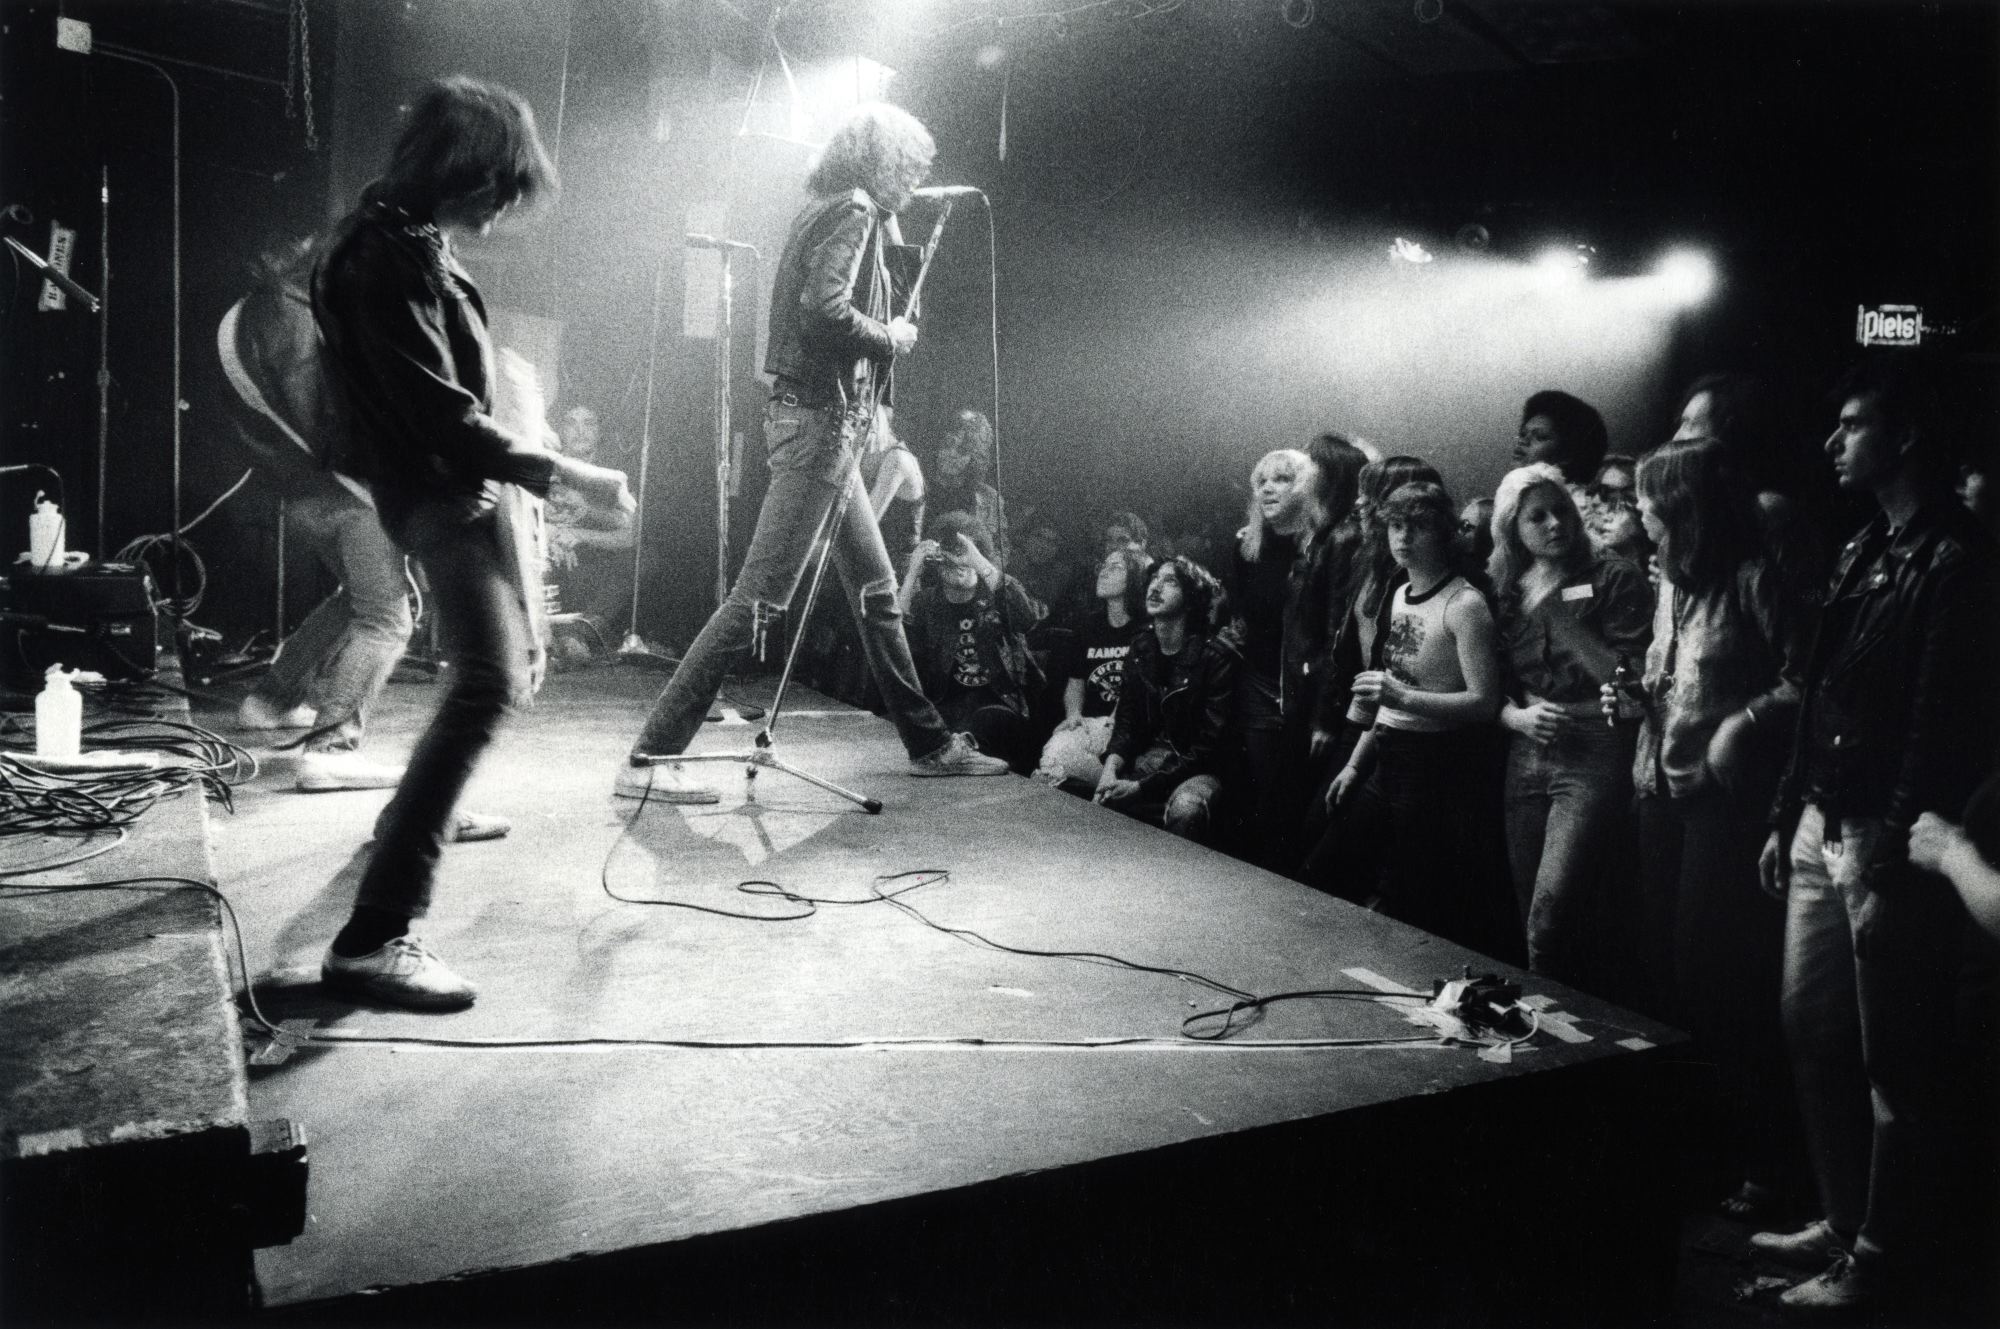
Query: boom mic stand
x=763, y=754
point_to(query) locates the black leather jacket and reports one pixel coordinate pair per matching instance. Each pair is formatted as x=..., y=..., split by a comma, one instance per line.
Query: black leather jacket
x=407, y=350
x=1897, y=717
x=270, y=352
x=1188, y=715
x=830, y=302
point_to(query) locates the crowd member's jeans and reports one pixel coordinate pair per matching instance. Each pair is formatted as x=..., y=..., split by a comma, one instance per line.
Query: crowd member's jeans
x=1445, y=857
x=1712, y=947
x=1348, y=842
x=339, y=658
x=1564, y=802
x=1871, y=979
x=483, y=624
x=810, y=453
x=1188, y=811
x=1268, y=810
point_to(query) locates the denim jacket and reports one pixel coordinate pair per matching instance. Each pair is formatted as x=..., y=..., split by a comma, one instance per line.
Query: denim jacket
x=1898, y=715
x=1539, y=654
x=1712, y=655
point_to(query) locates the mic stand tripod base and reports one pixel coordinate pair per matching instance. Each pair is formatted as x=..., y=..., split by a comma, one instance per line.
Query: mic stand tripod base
x=763, y=758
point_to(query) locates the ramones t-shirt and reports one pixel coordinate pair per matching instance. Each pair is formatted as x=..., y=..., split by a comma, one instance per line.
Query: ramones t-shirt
x=1098, y=658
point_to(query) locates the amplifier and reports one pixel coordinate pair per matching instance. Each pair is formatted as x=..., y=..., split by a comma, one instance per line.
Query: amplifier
x=98, y=618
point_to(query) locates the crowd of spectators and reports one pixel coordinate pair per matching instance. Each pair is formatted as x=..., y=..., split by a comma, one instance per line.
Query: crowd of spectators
x=1638, y=721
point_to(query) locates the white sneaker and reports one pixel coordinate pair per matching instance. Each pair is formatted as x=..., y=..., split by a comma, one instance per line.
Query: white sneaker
x=403, y=972
x=661, y=784
x=324, y=772
x=256, y=713
x=1814, y=1246
x=959, y=756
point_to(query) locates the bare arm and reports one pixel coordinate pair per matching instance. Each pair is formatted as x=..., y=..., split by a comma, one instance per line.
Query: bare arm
x=1471, y=626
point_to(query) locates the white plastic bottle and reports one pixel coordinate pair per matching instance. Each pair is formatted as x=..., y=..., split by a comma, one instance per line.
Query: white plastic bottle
x=58, y=716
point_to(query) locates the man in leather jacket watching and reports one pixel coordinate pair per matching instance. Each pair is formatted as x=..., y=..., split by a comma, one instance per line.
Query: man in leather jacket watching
x=1897, y=719
x=833, y=341
x=1173, y=706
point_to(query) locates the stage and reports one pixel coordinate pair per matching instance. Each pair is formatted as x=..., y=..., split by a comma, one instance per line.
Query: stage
x=654, y=1113
x=854, y=1114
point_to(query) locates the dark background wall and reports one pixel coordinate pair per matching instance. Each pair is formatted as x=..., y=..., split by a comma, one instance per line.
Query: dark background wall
x=1190, y=223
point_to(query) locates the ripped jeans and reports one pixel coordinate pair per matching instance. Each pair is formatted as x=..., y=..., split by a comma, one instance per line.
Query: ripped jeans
x=809, y=451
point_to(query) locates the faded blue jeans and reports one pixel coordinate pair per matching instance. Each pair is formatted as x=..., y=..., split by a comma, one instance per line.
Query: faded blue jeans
x=339, y=658
x=810, y=451
x=1563, y=803
x=1870, y=973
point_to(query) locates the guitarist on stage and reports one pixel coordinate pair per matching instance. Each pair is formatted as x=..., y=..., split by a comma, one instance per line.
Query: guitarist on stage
x=412, y=368
x=833, y=340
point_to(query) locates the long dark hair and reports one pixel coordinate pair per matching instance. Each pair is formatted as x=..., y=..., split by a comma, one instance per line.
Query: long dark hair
x=466, y=138
x=1206, y=600
x=1695, y=493
x=1340, y=465
x=1138, y=571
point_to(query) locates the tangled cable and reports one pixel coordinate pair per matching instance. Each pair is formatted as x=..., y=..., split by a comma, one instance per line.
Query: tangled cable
x=145, y=548
x=40, y=802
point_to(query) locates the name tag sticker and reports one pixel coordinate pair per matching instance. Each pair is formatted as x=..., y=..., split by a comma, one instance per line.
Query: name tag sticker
x=1584, y=592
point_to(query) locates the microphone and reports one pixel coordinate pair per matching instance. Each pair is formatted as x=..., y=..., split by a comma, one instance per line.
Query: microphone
x=696, y=240
x=946, y=191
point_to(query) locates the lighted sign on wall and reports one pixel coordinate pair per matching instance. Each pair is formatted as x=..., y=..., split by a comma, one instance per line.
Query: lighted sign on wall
x=1889, y=325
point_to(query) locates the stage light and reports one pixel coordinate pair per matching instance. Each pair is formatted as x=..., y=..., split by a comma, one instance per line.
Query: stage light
x=1409, y=251
x=1562, y=265
x=1687, y=276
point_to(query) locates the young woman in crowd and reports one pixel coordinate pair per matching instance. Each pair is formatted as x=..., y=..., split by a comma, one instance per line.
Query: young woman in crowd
x=1317, y=601
x=967, y=623
x=1792, y=505
x=1475, y=532
x=959, y=481
x=1343, y=842
x=1435, y=697
x=1564, y=431
x=1615, y=529
x=1283, y=513
x=1094, y=667
x=1717, y=710
x=1570, y=620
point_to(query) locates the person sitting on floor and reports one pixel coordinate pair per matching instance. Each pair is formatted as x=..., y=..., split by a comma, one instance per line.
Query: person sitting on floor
x=1174, y=704
x=1092, y=671
x=968, y=623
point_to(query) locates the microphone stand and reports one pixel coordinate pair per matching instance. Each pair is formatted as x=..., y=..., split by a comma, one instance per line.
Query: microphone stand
x=763, y=753
x=633, y=650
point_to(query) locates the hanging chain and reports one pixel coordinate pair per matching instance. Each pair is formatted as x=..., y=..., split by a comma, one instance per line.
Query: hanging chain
x=306, y=73
x=291, y=65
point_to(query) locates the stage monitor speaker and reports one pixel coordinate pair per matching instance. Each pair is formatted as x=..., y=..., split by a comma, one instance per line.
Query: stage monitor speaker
x=98, y=618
